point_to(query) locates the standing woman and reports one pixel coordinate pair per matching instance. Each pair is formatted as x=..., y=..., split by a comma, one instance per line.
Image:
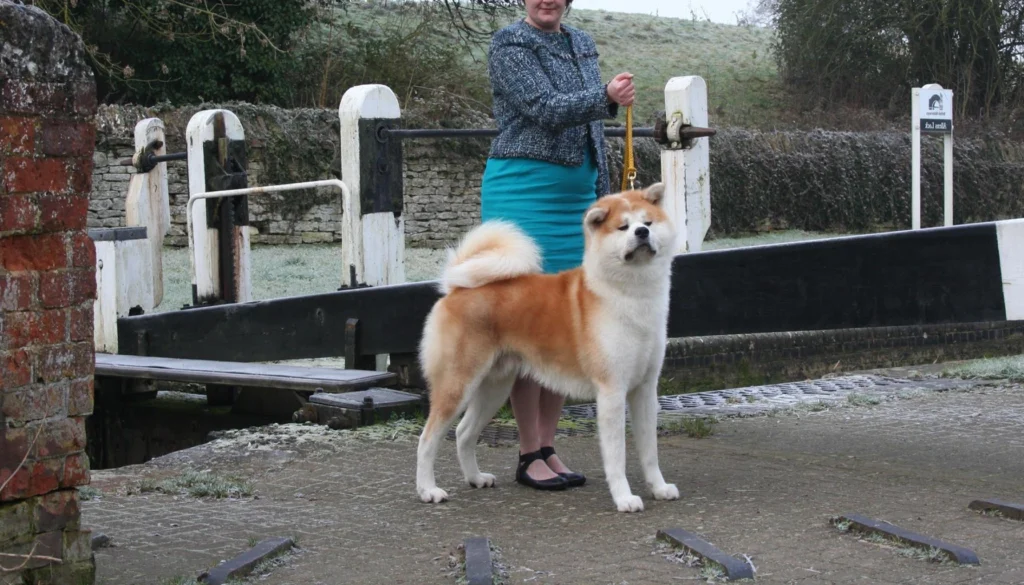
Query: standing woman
x=545, y=168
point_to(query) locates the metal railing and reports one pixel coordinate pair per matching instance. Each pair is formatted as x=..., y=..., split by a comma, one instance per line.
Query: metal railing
x=345, y=193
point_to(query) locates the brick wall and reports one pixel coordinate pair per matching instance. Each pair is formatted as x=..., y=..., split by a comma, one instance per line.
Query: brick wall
x=47, y=284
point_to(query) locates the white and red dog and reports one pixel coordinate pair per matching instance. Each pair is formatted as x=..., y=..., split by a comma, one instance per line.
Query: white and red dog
x=597, y=332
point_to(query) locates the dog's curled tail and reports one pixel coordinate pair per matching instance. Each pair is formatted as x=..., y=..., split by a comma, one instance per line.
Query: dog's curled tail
x=495, y=250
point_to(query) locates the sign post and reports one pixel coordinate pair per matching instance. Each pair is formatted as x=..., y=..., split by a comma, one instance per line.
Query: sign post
x=931, y=112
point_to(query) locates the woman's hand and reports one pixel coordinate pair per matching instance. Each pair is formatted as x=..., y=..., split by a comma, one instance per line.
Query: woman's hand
x=620, y=89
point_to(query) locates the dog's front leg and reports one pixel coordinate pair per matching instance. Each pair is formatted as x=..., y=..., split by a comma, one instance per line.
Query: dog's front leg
x=643, y=412
x=611, y=427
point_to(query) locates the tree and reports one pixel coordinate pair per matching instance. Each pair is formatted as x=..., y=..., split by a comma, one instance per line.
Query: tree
x=870, y=53
x=152, y=50
x=285, y=52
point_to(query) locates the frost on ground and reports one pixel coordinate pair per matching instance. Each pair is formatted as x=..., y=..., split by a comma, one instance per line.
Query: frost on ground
x=288, y=271
x=309, y=436
x=1007, y=368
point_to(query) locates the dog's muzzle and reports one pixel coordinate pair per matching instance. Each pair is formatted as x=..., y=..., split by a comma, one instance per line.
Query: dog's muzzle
x=641, y=246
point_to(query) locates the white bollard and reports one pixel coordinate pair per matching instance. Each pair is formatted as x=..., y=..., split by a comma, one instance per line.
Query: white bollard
x=685, y=170
x=372, y=235
x=148, y=205
x=124, y=280
x=216, y=128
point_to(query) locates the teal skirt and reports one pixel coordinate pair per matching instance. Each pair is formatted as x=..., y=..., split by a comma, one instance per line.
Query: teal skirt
x=546, y=200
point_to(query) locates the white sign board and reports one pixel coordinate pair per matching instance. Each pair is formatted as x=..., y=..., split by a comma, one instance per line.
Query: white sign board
x=935, y=108
x=931, y=112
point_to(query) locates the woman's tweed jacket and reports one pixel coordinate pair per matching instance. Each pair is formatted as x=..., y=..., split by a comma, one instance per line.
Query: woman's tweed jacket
x=545, y=96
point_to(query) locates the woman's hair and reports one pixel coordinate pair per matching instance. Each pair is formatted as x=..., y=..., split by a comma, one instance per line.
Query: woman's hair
x=568, y=4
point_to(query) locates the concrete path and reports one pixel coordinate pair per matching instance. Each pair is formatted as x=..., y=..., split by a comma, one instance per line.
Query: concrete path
x=762, y=486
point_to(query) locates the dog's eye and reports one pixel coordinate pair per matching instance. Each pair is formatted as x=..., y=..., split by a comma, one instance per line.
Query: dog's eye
x=623, y=228
x=648, y=223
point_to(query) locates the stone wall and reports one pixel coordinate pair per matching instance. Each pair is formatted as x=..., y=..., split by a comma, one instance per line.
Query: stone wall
x=47, y=286
x=442, y=191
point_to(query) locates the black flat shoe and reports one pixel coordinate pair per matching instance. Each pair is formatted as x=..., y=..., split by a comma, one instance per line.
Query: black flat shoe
x=555, y=483
x=574, y=479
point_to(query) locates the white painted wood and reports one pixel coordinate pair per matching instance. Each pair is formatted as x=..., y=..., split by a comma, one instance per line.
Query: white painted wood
x=673, y=174
x=243, y=263
x=947, y=144
x=148, y=202
x=374, y=243
x=915, y=159
x=105, y=306
x=1010, y=237
x=203, y=244
x=134, y=275
x=351, y=225
x=383, y=248
x=686, y=173
x=124, y=279
x=947, y=190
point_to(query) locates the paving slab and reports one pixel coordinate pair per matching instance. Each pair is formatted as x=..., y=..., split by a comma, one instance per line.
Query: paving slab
x=764, y=486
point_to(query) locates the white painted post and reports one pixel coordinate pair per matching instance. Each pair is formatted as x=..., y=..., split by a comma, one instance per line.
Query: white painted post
x=931, y=112
x=124, y=281
x=915, y=159
x=104, y=309
x=686, y=170
x=148, y=204
x=204, y=247
x=947, y=178
x=373, y=243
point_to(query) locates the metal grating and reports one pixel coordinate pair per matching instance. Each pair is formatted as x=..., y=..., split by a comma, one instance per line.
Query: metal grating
x=774, y=395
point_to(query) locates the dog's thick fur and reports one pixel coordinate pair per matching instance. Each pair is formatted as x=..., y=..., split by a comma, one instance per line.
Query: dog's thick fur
x=597, y=332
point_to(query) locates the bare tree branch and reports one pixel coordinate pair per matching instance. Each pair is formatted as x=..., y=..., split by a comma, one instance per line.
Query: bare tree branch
x=31, y=554
x=27, y=558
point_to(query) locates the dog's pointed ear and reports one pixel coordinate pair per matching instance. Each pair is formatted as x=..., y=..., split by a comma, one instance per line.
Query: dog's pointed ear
x=595, y=216
x=655, y=193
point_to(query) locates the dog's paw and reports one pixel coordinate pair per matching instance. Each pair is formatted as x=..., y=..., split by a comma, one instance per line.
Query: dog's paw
x=481, y=480
x=630, y=504
x=666, y=491
x=433, y=495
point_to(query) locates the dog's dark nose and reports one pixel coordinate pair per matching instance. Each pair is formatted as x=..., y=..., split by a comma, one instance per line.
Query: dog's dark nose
x=642, y=232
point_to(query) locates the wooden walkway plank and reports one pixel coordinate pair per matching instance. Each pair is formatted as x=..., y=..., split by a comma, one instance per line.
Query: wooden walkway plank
x=238, y=373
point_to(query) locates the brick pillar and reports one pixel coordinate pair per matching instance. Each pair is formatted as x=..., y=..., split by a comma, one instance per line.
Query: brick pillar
x=47, y=287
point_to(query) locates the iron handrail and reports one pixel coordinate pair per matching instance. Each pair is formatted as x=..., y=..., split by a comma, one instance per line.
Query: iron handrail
x=345, y=193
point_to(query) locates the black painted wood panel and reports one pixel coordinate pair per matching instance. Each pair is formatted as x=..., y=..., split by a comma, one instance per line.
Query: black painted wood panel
x=942, y=275
x=391, y=319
